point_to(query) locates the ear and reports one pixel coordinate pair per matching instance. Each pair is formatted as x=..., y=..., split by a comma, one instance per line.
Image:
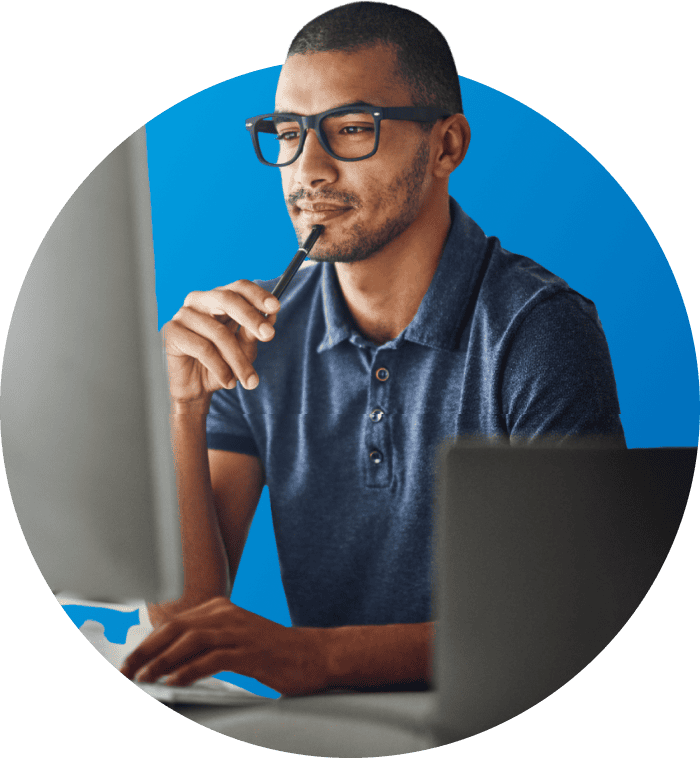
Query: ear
x=452, y=135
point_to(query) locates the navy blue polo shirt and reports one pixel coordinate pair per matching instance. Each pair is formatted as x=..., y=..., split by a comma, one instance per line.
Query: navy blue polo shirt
x=347, y=431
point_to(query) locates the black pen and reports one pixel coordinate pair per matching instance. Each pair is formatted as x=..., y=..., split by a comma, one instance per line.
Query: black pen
x=297, y=260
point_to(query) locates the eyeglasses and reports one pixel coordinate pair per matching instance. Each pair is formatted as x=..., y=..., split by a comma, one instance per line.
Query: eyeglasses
x=347, y=133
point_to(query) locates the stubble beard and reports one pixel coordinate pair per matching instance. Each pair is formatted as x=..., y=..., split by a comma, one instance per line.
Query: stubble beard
x=361, y=243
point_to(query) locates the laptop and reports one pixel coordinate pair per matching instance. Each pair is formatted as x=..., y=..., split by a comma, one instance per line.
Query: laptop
x=542, y=555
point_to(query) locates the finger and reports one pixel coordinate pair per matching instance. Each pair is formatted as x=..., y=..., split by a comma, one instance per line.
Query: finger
x=252, y=336
x=242, y=302
x=263, y=300
x=225, y=343
x=156, y=642
x=185, y=648
x=183, y=341
x=206, y=664
x=198, y=618
x=248, y=343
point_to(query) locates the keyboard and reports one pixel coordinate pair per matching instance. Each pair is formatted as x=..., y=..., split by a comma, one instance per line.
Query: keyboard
x=207, y=691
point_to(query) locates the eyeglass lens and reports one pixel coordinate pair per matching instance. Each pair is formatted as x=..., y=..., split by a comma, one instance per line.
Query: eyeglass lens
x=349, y=135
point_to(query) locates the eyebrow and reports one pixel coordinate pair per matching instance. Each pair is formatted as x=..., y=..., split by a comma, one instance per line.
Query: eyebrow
x=342, y=105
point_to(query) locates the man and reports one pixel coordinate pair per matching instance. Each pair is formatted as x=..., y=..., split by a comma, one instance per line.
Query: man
x=412, y=328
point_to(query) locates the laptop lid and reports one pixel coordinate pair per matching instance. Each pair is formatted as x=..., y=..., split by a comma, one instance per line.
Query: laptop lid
x=542, y=556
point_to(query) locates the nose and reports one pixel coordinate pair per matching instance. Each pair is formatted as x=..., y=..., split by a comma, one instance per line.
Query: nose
x=314, y=166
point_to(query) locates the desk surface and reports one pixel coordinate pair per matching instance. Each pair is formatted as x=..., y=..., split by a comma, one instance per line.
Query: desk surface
x=348, y=725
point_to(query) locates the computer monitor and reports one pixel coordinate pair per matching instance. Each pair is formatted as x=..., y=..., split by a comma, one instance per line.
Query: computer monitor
x=84, y=397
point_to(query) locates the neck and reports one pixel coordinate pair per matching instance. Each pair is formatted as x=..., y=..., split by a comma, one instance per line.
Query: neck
x=383, y=293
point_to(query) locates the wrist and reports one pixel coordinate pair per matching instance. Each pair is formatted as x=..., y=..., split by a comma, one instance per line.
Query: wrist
x=198, y=407
x=394, y=656
x=306, y=661
x=326, y=668
x=333, y=658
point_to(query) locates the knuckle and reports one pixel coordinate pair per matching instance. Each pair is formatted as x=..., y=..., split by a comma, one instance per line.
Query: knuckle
x=233, y=288
x=182, y=313
x=192, y=297
x=213, y=638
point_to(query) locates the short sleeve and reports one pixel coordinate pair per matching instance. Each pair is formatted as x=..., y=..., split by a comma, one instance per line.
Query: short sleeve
x=227, y=427
x=558, y=381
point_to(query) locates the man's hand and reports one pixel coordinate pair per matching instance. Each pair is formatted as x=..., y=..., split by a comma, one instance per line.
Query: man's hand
x=205, y=348
x=219, y=636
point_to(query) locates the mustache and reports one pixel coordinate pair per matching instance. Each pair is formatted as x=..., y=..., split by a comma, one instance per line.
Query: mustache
x=342, y=198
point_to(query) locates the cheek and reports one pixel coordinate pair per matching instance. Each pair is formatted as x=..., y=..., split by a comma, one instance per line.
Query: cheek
x=377, y=186
x=286, y=176
x=382, y=175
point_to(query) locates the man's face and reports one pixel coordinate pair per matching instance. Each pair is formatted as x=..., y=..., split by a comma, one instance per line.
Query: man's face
x=364, y=205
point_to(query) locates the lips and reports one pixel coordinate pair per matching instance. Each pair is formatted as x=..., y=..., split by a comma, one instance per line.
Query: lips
x=321, y=207
x=318, y=212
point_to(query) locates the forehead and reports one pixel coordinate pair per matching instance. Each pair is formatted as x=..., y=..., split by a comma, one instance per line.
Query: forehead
x=315, y=82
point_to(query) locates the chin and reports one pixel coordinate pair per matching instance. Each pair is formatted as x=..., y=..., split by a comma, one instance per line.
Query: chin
x=351, y=251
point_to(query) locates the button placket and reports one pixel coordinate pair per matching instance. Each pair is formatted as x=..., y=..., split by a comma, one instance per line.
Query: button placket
x=378, y=457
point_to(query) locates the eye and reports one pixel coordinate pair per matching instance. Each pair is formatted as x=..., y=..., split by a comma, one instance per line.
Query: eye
x=288, y=135
x=357, y=129
x=355, y=125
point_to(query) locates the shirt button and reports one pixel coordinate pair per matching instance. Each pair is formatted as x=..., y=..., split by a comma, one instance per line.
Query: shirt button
x=376, y=457
x=382, y=374
x=377, y=414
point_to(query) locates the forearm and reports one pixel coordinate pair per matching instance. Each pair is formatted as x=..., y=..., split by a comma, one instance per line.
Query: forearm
x=204, y=557
x=395, y=656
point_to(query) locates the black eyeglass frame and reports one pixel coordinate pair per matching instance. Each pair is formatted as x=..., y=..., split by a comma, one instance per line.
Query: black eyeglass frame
x=423, y=114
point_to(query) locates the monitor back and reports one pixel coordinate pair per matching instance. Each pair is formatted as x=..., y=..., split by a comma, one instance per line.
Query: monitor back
x=84, y=396
x=542, y=556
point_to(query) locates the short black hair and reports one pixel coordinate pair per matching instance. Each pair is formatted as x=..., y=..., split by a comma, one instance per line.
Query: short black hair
x=423, y=57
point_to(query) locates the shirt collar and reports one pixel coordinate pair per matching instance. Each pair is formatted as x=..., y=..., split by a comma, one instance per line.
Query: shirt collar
x=338, y=321
x=440, y=316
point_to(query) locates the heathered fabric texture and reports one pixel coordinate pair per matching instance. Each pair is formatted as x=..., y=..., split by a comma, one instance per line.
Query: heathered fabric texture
x=500, y=349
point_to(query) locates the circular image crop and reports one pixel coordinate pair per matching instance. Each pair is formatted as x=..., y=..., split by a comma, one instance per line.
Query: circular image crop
x=218, y=215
